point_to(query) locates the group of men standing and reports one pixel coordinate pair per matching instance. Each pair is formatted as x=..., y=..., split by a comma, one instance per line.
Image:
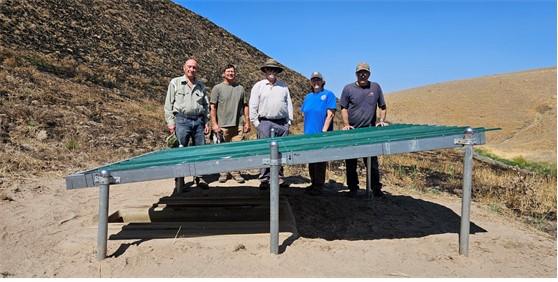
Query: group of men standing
x=228, y=113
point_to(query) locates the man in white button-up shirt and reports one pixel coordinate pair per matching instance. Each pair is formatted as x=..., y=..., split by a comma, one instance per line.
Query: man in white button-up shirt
x=270, y=107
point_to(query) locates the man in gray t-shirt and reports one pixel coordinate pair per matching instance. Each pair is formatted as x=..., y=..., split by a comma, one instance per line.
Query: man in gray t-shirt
x=229, y=113
x=358, y=102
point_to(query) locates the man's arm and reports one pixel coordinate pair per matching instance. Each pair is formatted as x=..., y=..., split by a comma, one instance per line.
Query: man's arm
x=214, y=122
x=253, y=105
x=345, y=116
x=382, y=117
x=246, y=119
x=169, y=104
x=290, y=107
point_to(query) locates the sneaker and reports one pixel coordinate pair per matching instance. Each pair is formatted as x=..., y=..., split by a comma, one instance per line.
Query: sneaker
x=264, y=185
x=201, y=183
x=222, y=178
x=378, y=193
x=238, y=178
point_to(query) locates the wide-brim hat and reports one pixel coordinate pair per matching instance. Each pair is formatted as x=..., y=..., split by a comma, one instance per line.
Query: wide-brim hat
x=272, y=64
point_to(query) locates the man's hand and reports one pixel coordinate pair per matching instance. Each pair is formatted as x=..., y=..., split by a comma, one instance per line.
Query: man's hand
x=216, y=128
x=206, y=129
x=381, y=123
x=172, y=128
x=348, y=127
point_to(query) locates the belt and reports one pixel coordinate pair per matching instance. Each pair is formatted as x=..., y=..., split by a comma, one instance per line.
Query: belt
x=182, y=115
x=277, y=120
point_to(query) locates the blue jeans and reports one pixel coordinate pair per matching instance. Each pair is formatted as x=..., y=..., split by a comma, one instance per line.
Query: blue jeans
x=190, y=128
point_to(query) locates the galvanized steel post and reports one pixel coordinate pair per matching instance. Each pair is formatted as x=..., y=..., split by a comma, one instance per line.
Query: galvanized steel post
x=368, y=176
x=102, y=231
x=274, y=198
x=468, y=142
x=179, y=181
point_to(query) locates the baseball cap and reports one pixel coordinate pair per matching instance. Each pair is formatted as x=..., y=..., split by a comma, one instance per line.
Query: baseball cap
x=317, y=75
x=363, y=66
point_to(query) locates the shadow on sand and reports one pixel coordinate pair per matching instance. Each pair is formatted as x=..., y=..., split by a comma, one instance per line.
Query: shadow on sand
x=245, y=210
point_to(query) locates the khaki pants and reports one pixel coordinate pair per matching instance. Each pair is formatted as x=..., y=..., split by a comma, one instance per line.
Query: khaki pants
x=232, y=134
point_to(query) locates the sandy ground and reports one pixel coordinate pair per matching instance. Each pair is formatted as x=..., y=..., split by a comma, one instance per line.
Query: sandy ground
x=48, y=231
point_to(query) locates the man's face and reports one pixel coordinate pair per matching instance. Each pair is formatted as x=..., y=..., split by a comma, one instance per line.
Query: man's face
x=362, y=76
x=190, y=68
x=271, y=74
x=229, y=74
x=317, y=83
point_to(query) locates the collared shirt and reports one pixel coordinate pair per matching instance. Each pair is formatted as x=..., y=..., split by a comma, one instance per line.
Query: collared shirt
x=270, y=101
x=181, y=98
x=361, y=103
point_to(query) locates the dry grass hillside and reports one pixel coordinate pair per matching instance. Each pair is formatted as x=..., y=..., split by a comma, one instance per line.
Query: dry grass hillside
x=523, y=104
x=83, y=82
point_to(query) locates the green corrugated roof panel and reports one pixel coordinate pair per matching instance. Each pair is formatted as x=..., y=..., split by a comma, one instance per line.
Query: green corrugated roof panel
x=292, y=143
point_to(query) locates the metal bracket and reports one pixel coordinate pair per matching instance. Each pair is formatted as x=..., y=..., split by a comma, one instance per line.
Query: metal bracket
x=274, y=162
x=98, y=179
x=465, y=141
x=386, y=148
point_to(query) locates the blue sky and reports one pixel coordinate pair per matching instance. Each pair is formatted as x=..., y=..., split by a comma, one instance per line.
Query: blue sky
x=407, y=43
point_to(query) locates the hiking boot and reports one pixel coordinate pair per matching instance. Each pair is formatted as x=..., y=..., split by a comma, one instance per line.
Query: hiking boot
x=238, y=178
x=264, y=185
x=222, y=178
x=201, y=183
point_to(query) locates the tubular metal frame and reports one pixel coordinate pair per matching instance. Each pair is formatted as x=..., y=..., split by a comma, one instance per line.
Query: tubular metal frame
x=274, y=160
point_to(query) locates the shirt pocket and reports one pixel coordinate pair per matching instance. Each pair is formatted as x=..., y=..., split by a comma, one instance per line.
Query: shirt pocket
x=372, y=99
x=179, y=98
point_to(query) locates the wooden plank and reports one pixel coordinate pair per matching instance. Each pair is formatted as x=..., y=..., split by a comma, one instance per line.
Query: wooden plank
x=195, y=229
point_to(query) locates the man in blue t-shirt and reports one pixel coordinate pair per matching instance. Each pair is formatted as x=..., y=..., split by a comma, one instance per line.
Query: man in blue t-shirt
x=359, y=101
x=318, y=109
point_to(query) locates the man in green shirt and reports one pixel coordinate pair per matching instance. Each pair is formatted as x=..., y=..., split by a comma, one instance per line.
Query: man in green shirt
x=229, y=113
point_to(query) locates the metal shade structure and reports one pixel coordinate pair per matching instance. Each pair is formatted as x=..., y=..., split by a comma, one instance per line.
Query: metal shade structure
x=276, y=151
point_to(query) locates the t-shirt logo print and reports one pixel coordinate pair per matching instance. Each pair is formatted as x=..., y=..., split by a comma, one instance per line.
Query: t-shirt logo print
x=371, y=93
x=323, y=97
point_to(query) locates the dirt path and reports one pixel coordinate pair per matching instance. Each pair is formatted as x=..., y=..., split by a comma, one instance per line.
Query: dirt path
x=48, y=231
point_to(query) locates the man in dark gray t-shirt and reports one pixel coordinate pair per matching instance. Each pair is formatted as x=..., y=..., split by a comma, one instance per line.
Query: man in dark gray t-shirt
x=359, y=101
x=229, y=113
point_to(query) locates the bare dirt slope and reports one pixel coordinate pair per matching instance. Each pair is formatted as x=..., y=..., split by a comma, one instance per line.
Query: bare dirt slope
x=523, y=104
x=49, y=232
